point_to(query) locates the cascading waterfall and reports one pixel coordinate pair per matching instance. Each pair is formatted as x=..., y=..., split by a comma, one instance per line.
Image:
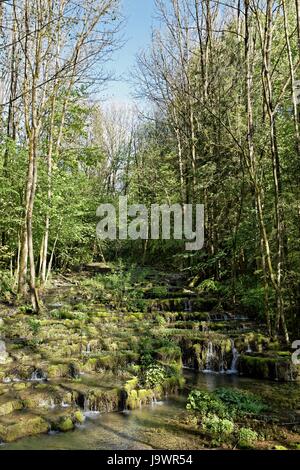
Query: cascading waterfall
x=235, y=356
x=248, y=350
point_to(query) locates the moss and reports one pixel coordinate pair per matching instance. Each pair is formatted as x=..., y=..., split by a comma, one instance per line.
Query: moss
x=65, y=424
x=145, y=396
x=106, y=362
x=284, y=354
x=103, y=401
x=20, y=386
x=57, y=370
x=79, y=417
x=254, y=366
x=158, y=392
x=169, y=354
x=91, y=364
x=7, y=407
x=131, y=384
x=132, y=401
x=21, y=426
x=173, y=384
x=274, y=367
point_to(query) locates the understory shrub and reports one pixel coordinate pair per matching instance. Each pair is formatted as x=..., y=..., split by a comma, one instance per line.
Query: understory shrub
x=216, y=412
x=205, y=403
x=216, y=426
x=154, y=375
x=246, y=437
x=241, y=401
x=6, y=286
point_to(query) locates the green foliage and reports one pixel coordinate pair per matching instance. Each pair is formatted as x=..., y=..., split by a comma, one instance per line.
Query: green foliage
x=158, y=291
x=154, y=375
x=120, y=287
x=34, y=325
x=225, y=402
x=25, y=308
x=206, y=403
x=218, y=427
x=253, y=299
x=219, y=411
x=65, y=313
x=208, y=285
x=241, y=401
x=6, y=286
x=246, y=437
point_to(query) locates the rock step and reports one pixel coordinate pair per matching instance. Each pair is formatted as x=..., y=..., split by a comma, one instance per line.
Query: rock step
x=25, y=423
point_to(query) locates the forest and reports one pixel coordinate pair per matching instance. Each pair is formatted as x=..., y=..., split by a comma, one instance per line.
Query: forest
x=91, y=326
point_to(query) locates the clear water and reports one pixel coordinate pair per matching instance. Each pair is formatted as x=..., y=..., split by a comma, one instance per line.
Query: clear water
x=160, y=426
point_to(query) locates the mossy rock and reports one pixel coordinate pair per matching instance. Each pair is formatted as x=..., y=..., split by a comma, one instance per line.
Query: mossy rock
x=79, y=417
x=173, y=384
x=20, y=386
x=145, y=397
x=258, y=367
x=274, y=367
x=8, y=406
x=132, y=401
x=19, y=425
x=57, y=370
x=131, y=384
x=91, y=364
x=65, y=424
x=169, y=354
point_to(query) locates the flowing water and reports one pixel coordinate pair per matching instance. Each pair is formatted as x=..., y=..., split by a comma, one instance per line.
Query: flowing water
x=160, y=426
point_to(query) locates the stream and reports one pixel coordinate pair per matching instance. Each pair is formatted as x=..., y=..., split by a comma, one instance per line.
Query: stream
x=160, y=426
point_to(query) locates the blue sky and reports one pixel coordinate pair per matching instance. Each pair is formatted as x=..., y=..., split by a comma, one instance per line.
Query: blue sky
x=139, y=17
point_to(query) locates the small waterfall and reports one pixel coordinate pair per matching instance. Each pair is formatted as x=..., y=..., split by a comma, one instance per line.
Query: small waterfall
x=50, y=404
x=210, y=355
x=248, y=350
x=89, y=409
x=222, y=371
x=38, y=376
x=87, y=349
x=86, y=405
x=65, y=405
x=3, y=353
x=188, y=305
x=235, y=356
